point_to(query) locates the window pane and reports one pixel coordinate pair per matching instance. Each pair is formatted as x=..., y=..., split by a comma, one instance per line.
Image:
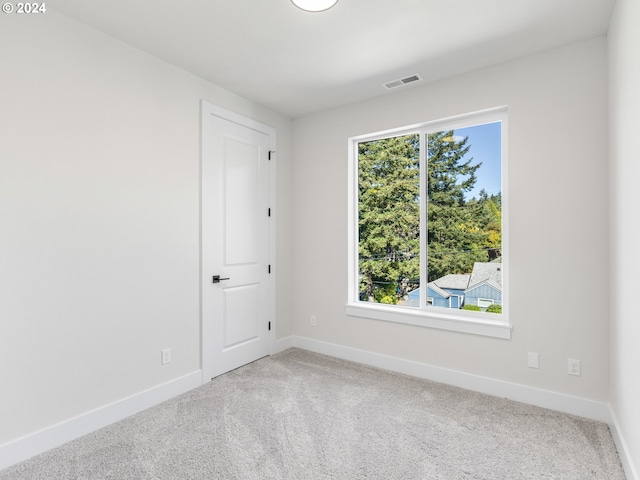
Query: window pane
x=464, y=218
x=389, y=219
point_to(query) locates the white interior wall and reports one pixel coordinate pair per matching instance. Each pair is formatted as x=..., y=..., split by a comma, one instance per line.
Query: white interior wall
x=99, y=213
x=99, y=155
x=557, y=189
x=624, y=78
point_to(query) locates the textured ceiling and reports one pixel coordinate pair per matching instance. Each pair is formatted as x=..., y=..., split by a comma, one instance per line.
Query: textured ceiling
x=298, y=63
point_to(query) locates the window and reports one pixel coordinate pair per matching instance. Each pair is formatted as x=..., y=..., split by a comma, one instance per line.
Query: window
x=428, y=243
x=485, y=302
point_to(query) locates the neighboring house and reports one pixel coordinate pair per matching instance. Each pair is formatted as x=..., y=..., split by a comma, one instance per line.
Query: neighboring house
x=485, y=284
x=484, y=293
x=455, y=284
x=436, y=296
x=482, y=287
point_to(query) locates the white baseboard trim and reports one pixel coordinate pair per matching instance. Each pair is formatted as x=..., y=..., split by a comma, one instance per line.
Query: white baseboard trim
x=623, y=451
x=521, y=393
x=28, y=446
x=33, y=444
x=282, y=344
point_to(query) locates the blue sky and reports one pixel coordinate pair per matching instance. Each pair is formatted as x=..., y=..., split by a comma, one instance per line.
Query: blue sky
x=485, y=148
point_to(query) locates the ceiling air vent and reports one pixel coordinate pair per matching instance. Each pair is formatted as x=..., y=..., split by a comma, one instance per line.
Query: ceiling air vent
x=403, y=81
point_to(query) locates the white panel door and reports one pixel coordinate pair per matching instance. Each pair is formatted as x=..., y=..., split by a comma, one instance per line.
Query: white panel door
x=235, y=242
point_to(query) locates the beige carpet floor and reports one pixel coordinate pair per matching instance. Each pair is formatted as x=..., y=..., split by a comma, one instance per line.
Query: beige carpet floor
x=299, y=415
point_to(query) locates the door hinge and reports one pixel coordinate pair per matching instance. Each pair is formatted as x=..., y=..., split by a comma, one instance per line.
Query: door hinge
x=269, y=270
x=269, y=212
x=270, y=152
x=269, y=326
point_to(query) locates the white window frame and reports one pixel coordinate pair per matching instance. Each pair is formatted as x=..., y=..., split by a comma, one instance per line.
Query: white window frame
x=457, y=320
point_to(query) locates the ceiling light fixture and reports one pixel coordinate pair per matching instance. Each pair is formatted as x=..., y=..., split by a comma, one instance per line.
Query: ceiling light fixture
x=314, y=5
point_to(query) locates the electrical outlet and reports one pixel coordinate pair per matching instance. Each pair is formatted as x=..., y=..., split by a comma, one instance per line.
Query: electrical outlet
x=313, y=321
x=533, y=360
x=574, y=367
x=166, y=356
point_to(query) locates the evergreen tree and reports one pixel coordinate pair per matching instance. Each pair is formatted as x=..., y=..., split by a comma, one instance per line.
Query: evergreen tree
x=455, y=237
x=459, y=231
x=492, y=226
x=389, y=217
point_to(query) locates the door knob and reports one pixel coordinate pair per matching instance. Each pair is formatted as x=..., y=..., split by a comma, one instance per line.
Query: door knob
x=216, y=279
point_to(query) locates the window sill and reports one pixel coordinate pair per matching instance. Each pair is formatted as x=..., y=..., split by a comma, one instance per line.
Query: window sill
x=438, y=319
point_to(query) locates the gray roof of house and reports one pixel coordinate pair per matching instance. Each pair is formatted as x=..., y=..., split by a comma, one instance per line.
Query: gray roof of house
x=488, y=281
x=457, y=281
x=438, y=290
x=486, y=271
x=483, y=272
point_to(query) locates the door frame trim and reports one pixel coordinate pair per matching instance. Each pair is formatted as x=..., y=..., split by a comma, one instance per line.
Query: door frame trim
x=207, y=110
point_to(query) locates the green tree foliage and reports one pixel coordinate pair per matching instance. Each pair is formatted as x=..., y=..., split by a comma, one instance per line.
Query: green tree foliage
x=490, y=221
x=389, y=217
x=460, y=231
x=456, y=238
